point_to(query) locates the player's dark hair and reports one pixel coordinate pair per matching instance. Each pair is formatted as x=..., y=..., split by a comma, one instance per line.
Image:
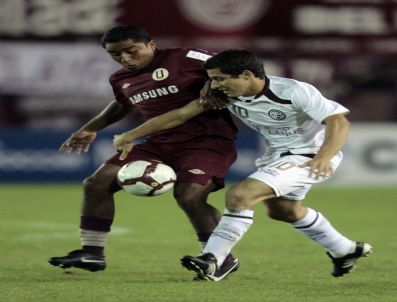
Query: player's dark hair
x=120, y=33
x=235, y=61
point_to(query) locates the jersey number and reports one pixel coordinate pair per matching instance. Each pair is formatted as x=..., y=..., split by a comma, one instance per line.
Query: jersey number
x=241, y=112
x=283, y=166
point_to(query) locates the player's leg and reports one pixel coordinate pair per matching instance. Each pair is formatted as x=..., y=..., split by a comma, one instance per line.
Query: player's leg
x=192, y=199
x=237, y=217
x=235, y=222
x=97, y=214
x=291, y=181
x=312, y=224
x=202, y=167
x=97, y=211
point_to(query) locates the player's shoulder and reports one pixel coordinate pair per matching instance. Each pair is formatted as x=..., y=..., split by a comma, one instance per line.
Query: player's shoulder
x=182, y=50
x=287, y=87
x=193, y=53
x=118, y=75
x=283, y=87
x=281, y=82
x=198, y=54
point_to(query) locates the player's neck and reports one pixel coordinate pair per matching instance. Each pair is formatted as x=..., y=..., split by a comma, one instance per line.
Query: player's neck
x=257, y=87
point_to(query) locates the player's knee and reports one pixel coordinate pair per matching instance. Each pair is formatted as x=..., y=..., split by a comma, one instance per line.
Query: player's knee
x=237, y=198
x=187, y=200
x=90, y=184
x=94, y=184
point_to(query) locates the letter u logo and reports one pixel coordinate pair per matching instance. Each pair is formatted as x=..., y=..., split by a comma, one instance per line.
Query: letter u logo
x=160, y=74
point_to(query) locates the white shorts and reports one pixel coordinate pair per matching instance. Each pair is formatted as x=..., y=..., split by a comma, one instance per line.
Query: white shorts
x=288, y=179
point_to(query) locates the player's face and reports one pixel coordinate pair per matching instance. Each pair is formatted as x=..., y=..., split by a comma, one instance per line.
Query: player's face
x=232, y=86
x=132, y=55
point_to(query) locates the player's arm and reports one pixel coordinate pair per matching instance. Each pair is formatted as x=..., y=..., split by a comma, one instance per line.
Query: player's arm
x=171, y=119
x=336, y=134
x=112, y=113
x=82, y=138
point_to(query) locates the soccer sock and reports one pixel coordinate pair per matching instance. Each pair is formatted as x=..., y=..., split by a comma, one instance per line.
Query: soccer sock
x=93, y=241
x=230, y=229
x=316, y=227
x=93, y=234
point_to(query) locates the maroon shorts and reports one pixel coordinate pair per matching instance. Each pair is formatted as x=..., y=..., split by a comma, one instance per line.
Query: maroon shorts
x=196, y=161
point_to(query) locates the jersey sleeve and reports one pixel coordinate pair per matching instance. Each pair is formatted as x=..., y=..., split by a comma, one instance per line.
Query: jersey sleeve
x=308, y=99
x=118, y=95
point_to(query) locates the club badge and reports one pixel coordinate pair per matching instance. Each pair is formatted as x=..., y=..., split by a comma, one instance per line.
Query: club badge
x=277, y=114
x=160, y=74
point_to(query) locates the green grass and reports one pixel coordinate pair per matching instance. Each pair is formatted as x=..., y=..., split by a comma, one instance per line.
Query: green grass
x=151, y=234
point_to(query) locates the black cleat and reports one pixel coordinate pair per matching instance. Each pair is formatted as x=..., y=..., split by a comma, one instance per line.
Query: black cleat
x=345, y=264
x=207, y=269
x=80, y=259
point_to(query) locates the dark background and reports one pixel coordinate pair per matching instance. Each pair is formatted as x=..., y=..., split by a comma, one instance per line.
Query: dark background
x=54, y=73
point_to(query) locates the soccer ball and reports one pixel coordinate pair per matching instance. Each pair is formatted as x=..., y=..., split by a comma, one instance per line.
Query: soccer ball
x=146, y=177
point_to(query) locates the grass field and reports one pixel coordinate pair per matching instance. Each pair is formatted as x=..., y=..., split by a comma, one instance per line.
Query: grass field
x=151, y=234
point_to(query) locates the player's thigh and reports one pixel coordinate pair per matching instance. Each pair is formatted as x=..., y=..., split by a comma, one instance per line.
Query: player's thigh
x=247, y=193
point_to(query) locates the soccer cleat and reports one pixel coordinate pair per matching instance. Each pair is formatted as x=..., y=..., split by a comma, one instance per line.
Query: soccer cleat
x=345, y=264
x=80, y=259
x=225, y=268
x=207, y=269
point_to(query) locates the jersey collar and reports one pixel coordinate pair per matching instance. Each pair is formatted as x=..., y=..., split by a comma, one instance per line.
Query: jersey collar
x=249, y=99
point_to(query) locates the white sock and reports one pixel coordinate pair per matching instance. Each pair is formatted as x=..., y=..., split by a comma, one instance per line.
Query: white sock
x=230, y=229
x=316, y=227
x=93, y=238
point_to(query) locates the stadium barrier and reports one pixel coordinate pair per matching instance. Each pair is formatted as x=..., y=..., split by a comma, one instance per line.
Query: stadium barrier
x=370, y=157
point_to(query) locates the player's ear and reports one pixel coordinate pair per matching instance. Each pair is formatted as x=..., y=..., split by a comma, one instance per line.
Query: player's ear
x=246, y=75
x=152, y=45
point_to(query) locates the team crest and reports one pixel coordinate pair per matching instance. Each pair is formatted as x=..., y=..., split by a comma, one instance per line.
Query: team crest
x=277, y=114
x=160, y=74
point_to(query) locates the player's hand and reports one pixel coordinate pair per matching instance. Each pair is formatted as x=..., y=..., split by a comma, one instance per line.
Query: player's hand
x=123, y=144
x=212, y=99
x=79, y=141
x=319, y=168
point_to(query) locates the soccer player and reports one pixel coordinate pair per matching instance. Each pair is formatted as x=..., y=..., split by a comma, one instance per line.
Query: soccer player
x=154, y=81
x=304, y=133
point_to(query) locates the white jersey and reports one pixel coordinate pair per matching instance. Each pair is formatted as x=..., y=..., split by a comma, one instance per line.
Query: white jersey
x=288, y=114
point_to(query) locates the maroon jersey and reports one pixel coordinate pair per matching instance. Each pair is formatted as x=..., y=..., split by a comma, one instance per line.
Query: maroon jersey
x=173, y=79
